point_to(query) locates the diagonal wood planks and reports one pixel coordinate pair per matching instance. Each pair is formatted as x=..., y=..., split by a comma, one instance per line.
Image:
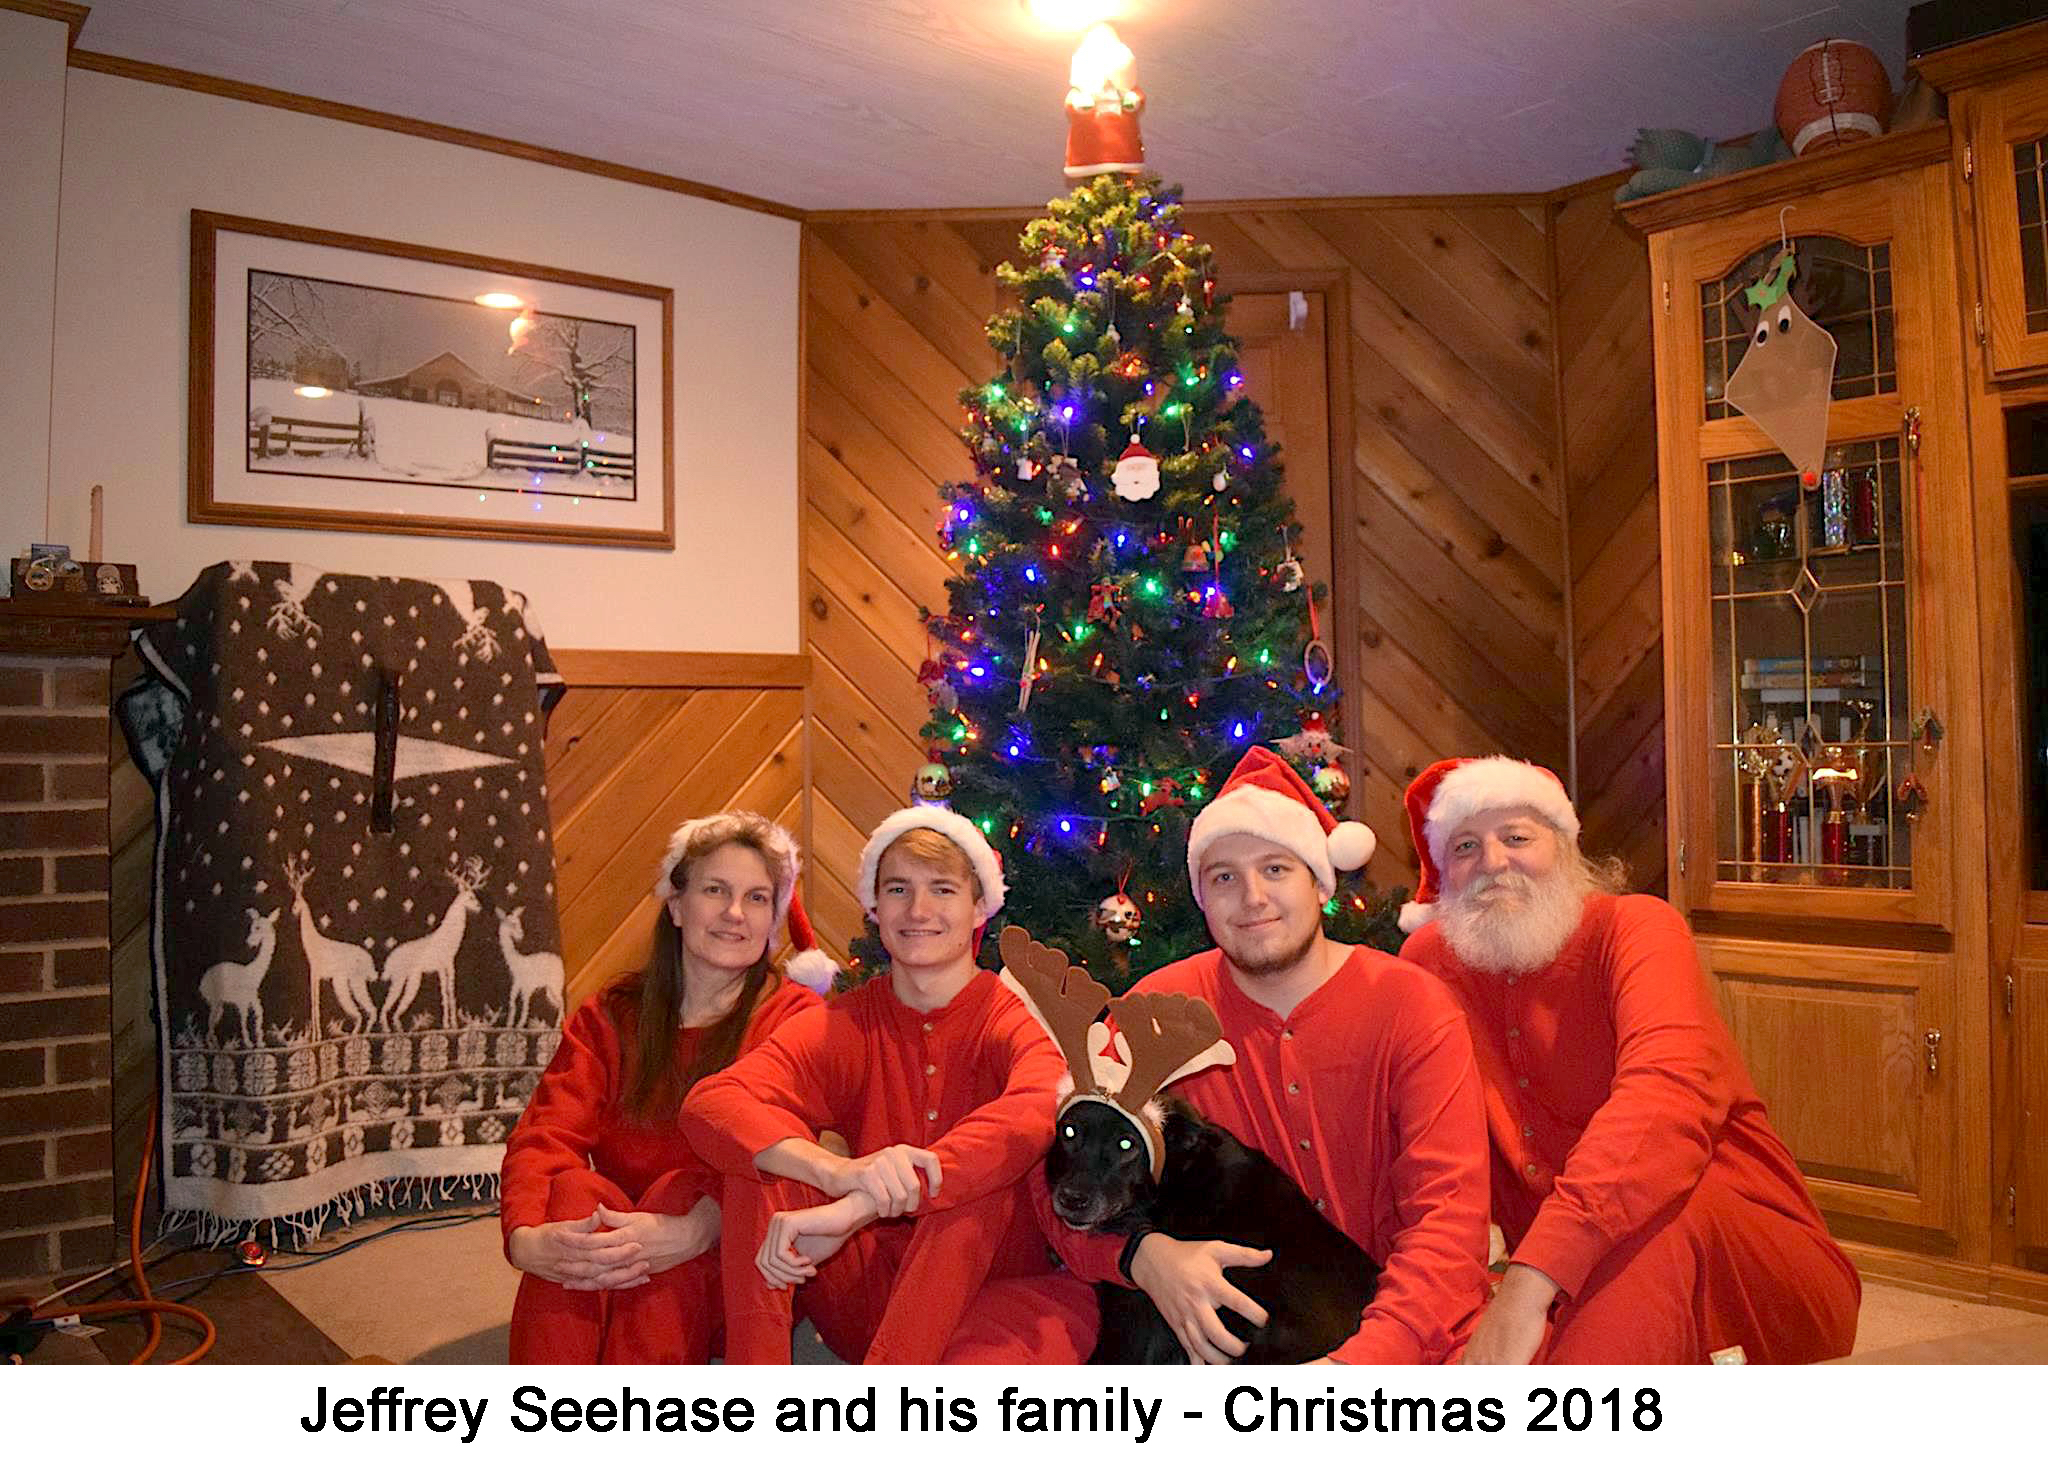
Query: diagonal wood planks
x=1458, y=611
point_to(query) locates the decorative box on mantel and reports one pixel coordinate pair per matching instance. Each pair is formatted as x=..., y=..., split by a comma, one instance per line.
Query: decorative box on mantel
x=56, y=1143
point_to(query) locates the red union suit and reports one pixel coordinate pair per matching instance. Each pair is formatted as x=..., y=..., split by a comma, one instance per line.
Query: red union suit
x=1632, y=1162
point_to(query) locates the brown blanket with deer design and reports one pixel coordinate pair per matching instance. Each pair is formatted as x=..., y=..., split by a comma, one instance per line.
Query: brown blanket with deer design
x=357, y=957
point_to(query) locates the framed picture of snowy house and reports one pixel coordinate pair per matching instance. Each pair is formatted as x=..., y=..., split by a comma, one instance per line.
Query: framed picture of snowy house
x=352, y=384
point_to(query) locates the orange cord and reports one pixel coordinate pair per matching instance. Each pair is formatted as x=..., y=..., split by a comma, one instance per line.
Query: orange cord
x=152, y=1308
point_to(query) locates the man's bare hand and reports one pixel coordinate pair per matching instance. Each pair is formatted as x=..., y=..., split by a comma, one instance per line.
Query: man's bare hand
x=784, y=1261
x=1510, y=1331
x=890, y=1178
x=1185, y=1281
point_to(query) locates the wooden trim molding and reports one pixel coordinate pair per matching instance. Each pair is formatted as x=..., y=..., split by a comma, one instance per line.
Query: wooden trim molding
x=170, y=76
x=73, y=16
x=999, y=213
x=659, y=669
x=1987, y=59
x=1788, y=182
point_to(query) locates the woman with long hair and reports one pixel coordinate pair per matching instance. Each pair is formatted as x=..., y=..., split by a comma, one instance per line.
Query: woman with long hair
x=607, y=1211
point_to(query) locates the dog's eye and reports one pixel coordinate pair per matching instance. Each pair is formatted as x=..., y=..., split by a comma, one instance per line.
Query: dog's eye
x=1123, y=1144
x=1069, y=1131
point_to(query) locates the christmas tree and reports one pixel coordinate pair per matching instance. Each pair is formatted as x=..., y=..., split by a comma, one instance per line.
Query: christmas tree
x=1129, y=614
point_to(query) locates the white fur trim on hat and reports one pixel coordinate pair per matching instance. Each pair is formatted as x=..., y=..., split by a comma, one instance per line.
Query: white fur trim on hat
x=947, y=823
x=1265, y=813
x=778, y=838
x=1414, y=916
x=1490, y=782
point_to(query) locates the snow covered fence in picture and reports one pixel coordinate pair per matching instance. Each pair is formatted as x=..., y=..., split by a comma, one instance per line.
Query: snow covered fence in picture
x=347, y=435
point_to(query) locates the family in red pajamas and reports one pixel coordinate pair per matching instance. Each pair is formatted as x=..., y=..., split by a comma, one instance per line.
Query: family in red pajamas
x=1544, y=1055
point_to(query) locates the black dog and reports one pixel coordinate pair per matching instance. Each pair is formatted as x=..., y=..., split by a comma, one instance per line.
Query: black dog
x=1214, y=1188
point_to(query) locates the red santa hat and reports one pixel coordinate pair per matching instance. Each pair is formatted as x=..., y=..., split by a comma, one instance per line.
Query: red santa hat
x=810, y=967
x=1449, y=792
x=1268, y=799
x=948, y=824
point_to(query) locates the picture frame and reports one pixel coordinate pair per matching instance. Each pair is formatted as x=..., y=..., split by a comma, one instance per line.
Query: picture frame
x=343, y=383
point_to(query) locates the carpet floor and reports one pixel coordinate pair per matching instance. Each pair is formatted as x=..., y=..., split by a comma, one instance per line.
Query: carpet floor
x=445, y=1297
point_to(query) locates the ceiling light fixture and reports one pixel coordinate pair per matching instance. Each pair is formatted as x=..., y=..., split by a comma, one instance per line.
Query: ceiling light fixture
x=1072, y=15
x=501, y=299
x=313, y=390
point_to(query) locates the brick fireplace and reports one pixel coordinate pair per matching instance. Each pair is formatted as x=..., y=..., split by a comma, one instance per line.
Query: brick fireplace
x=56, y=1145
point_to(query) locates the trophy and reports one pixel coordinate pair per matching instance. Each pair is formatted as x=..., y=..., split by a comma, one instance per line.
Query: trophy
x=1753, y=770
x=1839, y=776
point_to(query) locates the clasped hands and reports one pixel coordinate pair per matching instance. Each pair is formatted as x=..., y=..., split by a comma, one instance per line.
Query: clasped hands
x=880, y=1186
x=610, y=1251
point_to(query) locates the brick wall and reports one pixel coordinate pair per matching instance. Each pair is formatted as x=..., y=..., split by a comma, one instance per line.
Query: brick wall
x=56, y=1155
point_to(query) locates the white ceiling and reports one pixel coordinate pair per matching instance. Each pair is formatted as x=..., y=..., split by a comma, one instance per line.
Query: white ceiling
x=833, y=104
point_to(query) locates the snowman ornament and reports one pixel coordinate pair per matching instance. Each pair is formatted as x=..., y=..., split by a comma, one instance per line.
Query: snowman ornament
x=1136, y=477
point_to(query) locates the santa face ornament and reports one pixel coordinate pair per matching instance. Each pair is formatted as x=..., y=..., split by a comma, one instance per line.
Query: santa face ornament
x=932, y=785
x=1136, y=477
x=1786, y=379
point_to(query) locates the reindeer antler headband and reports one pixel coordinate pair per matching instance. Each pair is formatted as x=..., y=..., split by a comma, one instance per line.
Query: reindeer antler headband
x=1166, y=1036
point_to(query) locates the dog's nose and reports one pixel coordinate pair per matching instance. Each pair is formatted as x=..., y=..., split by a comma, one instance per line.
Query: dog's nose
x=1070, y=1200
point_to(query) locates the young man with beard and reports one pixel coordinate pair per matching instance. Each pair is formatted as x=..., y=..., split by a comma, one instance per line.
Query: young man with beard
x=1654, y=1215
x=922, y=1248
x=1354, y=1074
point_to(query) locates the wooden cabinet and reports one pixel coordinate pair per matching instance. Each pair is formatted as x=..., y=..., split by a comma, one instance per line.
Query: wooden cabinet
x=1851, y=1049
x=1998, y=106
x=1824, y=747
x=1891, y=997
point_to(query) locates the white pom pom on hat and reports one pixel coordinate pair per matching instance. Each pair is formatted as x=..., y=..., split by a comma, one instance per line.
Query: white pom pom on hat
x=1267, y=798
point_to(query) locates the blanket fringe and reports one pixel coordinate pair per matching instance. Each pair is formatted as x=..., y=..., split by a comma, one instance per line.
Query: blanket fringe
x=303, y=1228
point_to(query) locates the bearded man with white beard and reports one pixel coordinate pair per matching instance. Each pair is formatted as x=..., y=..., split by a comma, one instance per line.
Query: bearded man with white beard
x=1654, y=1215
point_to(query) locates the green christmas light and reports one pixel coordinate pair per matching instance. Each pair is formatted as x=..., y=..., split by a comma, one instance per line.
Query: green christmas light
x=1044, y=515
x=1151, y=587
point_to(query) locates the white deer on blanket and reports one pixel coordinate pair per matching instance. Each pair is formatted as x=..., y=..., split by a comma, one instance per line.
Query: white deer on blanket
x=434, y=954
x=477, y=635
x=288, y=617
x=239, y=983
x=536, y=974
x=348, y=968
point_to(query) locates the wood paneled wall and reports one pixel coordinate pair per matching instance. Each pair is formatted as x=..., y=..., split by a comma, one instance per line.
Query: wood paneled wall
x=1608, y=399
x=638, y=743
x=1455, y=515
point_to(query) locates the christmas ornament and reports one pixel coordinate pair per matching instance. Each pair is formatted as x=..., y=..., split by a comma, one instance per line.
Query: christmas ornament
x=937, y=690
x=1216, y=603
x=1111, y=781
x=1063, y=472
x=1103, y=108
x=1024, y=680
x=1196, y=558
x=1118, y=918
x=1027, y=468
x=1784, y=381
x=1332, y=784
x=1290, y=574
x=1137, y=472
x=1102, y=603
x=932, y=785
x=1165, y=793
x=1313, y=742
x=1220, y=481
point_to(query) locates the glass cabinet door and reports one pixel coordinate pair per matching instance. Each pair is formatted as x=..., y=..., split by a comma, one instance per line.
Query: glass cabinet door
x=1806, y=641
x=2009, y=148
x=1811, y=688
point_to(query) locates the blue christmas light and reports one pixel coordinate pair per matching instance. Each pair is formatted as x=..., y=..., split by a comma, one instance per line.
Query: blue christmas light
x=963, y=512
x=1031, y=574
x=1237, y=731
x=1066, y=826
x=979, y=671
x=1248, y=452
x=1067, y=413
